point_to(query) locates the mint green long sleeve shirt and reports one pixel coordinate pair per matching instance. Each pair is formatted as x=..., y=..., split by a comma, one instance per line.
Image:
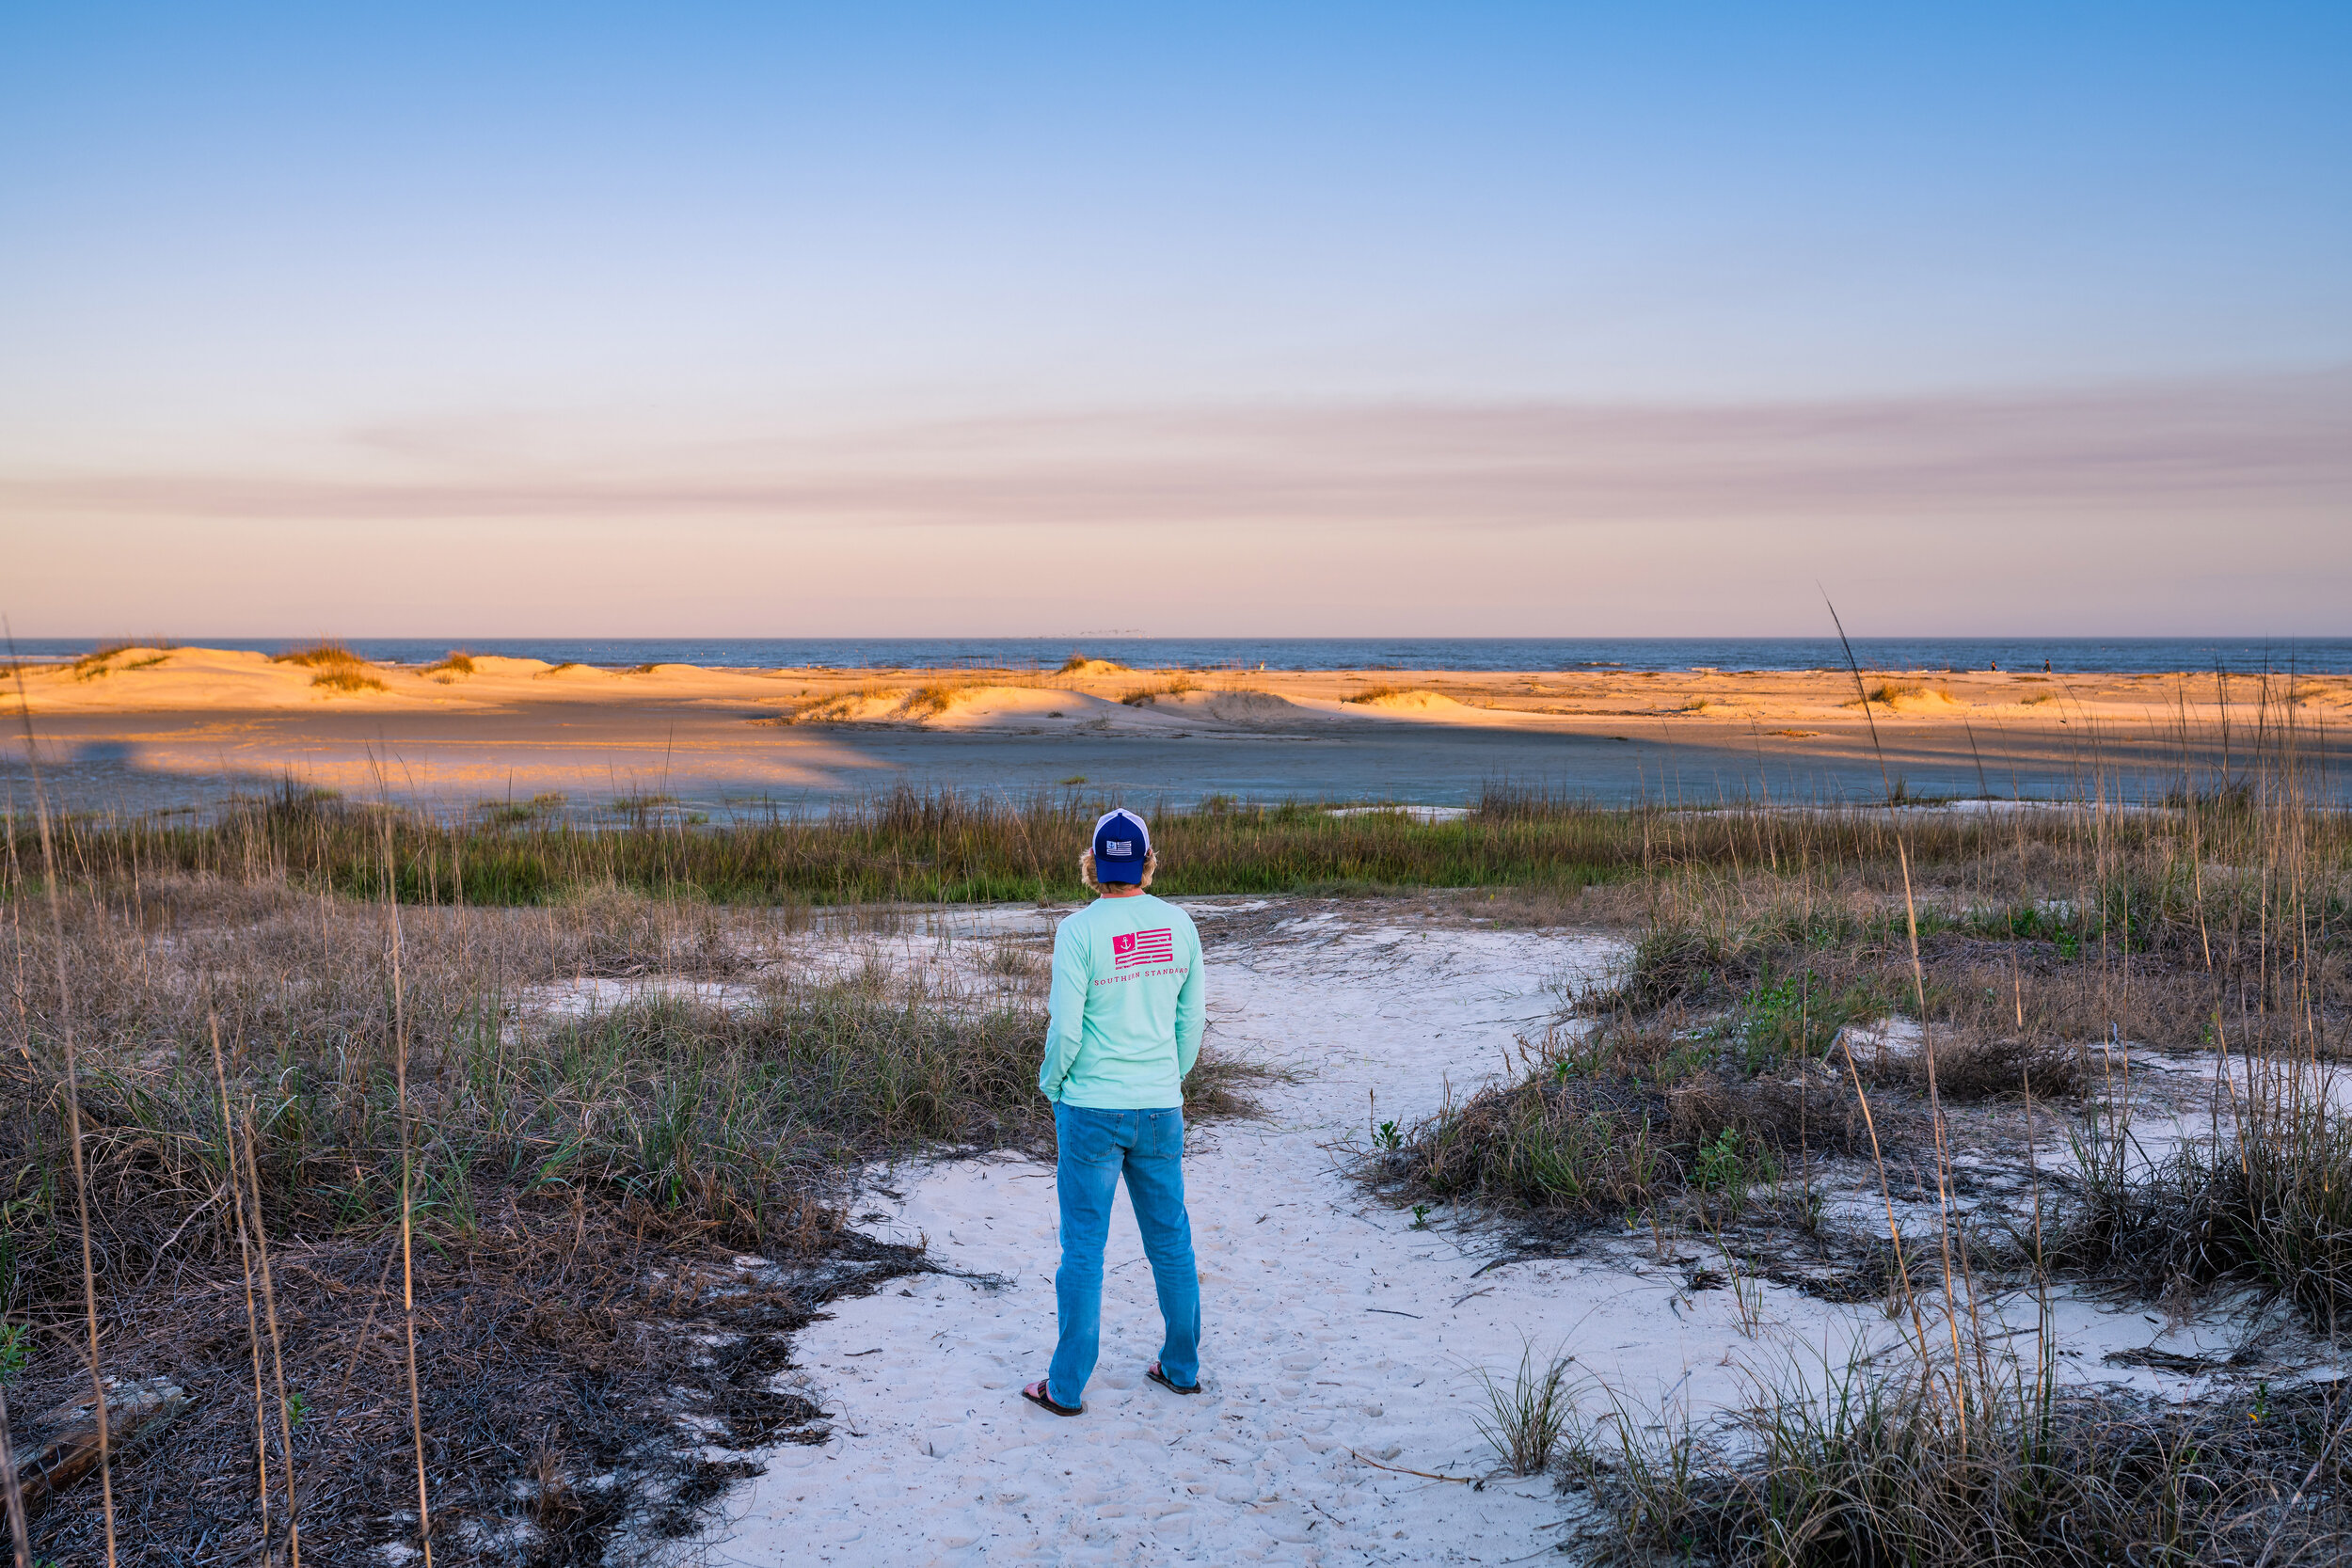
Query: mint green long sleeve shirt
x=1124, y=1019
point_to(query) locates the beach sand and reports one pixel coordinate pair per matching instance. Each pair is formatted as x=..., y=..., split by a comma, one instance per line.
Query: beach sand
x=1339, y=1337
x=151, y=728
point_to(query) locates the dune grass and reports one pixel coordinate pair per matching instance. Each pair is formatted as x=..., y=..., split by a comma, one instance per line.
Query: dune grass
x=2216, y=924
x=319, y=656
x=1175, y=686
x=2264, y=1204
x=581, y=1186
x=1931, y=1466
x=954, y=847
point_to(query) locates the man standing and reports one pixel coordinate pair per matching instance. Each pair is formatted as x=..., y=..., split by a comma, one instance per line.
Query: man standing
x=1124, y=1029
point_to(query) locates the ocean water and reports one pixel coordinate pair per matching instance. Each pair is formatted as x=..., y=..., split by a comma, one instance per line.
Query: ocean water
x=2121, y=654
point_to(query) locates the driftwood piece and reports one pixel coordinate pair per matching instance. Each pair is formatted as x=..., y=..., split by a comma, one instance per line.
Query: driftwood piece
x=132, y=1410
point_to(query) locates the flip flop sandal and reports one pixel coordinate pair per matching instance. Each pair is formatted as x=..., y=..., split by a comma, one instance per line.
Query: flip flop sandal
x=1035, y=1393
x=1154, y=1372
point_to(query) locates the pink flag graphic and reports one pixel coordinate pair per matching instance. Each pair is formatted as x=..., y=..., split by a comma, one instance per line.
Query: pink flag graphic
x=1143, y=947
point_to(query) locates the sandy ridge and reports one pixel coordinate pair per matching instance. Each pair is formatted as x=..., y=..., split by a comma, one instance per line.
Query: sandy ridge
x=144, y=679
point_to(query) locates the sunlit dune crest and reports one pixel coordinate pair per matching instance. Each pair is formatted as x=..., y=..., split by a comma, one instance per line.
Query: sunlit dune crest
x=1102, y=695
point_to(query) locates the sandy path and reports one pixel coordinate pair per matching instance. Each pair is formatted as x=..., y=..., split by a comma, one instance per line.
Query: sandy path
x=1330, y=1326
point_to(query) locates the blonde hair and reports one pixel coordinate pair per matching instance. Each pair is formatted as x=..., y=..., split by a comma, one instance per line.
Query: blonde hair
x=1085, y=872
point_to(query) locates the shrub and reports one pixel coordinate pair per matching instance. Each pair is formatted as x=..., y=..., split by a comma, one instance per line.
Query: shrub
x=1905, y=1462
x=1144, y=696
x=319, y=656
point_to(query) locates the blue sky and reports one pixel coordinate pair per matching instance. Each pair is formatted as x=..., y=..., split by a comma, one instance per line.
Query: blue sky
x=809, y=290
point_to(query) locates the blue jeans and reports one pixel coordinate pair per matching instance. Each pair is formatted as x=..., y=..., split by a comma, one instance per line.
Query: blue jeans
x=1096, y=1146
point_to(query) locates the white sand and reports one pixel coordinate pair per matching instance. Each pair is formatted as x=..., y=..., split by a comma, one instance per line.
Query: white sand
x=1337, y=1335
x=1331, y=1326
x=936, y=1459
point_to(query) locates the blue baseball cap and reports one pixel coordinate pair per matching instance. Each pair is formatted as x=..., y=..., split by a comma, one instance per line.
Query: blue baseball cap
x=1121, y=842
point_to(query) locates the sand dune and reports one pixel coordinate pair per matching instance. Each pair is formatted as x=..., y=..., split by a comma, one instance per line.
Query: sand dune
x=170, y=727
x=156, y=679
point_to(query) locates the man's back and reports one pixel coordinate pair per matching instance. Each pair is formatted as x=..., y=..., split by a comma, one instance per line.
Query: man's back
x=1126, y=1008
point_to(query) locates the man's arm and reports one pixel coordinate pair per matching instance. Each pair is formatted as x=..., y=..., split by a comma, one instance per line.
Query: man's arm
x=1191, y=1004
x=1065, y=1009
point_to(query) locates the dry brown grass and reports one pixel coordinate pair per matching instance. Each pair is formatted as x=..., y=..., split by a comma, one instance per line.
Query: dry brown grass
x=1883, y=1462
x=319, y=656
x=584, y=1188
x=1144, y=696
x=2215, y=922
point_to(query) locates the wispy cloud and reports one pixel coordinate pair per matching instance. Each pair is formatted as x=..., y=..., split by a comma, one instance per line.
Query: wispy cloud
x=2283, y=439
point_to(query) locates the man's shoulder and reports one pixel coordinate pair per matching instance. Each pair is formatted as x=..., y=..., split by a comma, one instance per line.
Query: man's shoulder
x=1125, y=913
x=1175, y=913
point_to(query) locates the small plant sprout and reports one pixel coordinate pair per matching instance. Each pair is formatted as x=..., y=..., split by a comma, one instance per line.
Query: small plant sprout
x=1421, y=1216
x=1747, y=1291
x=1526, y=1415
x=1721, y=1169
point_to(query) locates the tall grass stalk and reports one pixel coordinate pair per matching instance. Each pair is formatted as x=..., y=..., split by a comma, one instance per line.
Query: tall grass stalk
x=234, y=1170
x=276, y=1361
x=73, y=1123
x=407, y=1203
x=12, y=1490
x=1927, y=1049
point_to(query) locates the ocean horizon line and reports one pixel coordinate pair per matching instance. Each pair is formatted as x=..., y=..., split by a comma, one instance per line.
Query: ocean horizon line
x=2249, y=654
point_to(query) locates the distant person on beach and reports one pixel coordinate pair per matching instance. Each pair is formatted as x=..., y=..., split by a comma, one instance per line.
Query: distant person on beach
x=1124, y=1030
